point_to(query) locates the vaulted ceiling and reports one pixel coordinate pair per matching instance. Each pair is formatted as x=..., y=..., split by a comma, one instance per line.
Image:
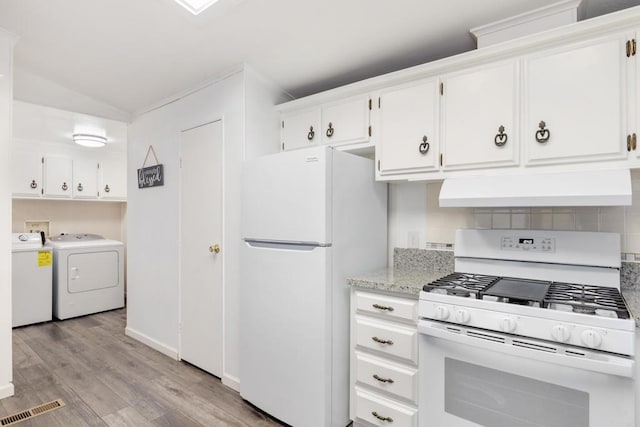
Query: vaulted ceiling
x=130, y=54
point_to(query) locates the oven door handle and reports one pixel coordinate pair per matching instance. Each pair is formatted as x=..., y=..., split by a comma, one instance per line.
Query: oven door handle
x=523, y=347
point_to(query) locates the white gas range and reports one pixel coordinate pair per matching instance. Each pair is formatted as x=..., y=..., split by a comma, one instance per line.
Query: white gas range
x=531, y=330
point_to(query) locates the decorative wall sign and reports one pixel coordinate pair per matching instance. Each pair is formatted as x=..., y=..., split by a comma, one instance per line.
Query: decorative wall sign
x=151, y=176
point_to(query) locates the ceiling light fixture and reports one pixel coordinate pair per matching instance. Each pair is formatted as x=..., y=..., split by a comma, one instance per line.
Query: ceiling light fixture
x=196, y=6
x=88, y=140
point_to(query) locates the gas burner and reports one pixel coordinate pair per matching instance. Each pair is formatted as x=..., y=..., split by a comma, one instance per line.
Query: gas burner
x=464, y=285
x=587, y=299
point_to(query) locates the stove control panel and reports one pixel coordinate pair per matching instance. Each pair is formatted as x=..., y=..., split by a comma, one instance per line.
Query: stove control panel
x=529, y=244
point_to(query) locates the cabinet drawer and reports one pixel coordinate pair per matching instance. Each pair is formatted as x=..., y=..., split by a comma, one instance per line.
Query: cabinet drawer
x=387, y=339
x=389, y=307
x=387, y=376
x=384, y=412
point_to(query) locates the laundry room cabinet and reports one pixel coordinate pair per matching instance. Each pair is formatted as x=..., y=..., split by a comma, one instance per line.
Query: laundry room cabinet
x=58, y=177
x=26, y=174
x=575, y=102
x=408, y=128
x=85, y=178
x=112, y=179
x=480, y=110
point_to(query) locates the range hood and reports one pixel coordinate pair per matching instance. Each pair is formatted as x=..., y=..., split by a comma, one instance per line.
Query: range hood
x=577, y=188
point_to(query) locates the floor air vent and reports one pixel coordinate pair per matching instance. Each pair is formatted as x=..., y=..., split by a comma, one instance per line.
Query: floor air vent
x=30, y=413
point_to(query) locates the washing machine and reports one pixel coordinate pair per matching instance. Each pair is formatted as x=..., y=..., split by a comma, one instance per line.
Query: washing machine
x=88, y=274
x=31, y=276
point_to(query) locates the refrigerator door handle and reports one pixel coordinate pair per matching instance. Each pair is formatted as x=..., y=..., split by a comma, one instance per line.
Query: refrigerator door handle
x=285, y=245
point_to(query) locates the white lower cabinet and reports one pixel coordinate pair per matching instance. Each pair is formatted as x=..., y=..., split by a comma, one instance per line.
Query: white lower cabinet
x=384, y=360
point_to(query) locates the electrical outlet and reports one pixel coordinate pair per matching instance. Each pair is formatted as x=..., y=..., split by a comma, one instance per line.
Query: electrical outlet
x=414, y=239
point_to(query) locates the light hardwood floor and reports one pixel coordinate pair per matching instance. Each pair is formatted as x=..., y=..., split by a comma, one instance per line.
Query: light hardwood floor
x=108, y=379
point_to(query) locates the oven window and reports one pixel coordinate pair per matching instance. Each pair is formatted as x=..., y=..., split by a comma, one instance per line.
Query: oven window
x=491, y=397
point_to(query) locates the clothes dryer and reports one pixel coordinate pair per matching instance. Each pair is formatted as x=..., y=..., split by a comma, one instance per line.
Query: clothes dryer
x=88, y=274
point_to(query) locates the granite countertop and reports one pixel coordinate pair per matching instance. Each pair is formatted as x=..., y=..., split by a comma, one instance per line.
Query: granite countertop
x=401, y=281
x=632, y=298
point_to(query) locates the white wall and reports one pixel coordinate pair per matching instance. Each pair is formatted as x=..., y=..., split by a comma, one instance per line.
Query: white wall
x=153, y=213
x=6, y=100
x=415, y=207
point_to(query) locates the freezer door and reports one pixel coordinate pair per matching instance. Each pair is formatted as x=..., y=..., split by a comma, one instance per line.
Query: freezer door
x=285, y=339
x=286, y=196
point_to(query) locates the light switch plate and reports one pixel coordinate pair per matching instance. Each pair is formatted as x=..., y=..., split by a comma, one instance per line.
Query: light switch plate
x=36, y=226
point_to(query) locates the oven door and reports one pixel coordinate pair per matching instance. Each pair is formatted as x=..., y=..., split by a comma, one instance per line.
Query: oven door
x=474, y=377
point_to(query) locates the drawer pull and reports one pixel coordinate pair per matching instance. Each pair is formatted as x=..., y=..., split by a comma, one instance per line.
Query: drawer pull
x=381, y=418
x=382, y=307
x=383, y=380
x=381, y=341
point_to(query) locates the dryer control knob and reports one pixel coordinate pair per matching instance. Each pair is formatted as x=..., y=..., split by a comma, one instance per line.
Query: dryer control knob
x=508, y=324
x=591, y=338
x=462, y=316
x=442, y=312
x=561, y=333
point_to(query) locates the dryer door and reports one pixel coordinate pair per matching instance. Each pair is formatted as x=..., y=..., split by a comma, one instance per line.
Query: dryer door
x=93, y=270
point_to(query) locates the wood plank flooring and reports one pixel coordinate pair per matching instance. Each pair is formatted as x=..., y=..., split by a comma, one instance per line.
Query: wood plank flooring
x=108, y=379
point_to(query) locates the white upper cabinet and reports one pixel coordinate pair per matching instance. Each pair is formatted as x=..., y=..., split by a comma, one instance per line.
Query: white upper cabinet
x=575, y=103
x=113, y=178
x=301, y=129
x=408, y=135
x=480, y=110
x=58, y=173
x=26, y=174
x=85, y=178
x=346, y=121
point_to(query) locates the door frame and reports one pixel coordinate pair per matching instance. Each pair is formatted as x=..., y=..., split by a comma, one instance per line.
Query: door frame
x=222, y=241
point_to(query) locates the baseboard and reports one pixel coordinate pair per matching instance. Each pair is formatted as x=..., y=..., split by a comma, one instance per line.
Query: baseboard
x=156, y=345
x=6, y=391
x=231, y=382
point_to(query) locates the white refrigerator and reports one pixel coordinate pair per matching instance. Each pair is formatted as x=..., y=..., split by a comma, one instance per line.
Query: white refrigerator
x=311, y=218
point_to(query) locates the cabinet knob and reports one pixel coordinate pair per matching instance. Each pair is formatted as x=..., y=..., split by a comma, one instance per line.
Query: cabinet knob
x=330, y=130
x=106, y=188
x=80, y=188
x=215, y=248
x=501, y=137
x=543, y=134
x=65, y=187
x=33, y=184
x=311, y=133
x=424, y=146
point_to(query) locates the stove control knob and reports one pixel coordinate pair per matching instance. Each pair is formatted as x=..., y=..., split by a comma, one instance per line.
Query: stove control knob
x=591, y=338
x=442, y=312
x=462, y=316
x=561, y=333
x=508, y=324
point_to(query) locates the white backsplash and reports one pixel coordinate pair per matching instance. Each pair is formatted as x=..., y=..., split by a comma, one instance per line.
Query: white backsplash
x=414, y=211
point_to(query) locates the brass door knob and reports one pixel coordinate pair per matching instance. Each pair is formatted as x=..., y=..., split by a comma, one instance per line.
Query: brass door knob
x=215, y=248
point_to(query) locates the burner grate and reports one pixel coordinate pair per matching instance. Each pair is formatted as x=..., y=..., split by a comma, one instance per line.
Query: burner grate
x=587, y=299
x=461, y=284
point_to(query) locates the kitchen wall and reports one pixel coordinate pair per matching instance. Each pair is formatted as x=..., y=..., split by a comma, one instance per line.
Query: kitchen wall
x=416, y=219
x=244, y=101
x=67, y=216
x=6, y=99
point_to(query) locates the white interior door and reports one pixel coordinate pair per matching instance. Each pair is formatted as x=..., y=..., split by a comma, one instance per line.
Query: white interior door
x=201, y=238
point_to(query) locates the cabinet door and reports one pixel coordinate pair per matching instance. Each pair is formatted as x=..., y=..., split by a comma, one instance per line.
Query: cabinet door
x=346, y=122
x=113, y=179
x=300, y=129
x=480, y=117
x=408, y=140
x=575, y=103
x=85, y=178
x=26, y=174
x=58, y=177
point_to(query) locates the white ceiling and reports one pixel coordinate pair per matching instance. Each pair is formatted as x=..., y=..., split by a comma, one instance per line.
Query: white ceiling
x=130, y=54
